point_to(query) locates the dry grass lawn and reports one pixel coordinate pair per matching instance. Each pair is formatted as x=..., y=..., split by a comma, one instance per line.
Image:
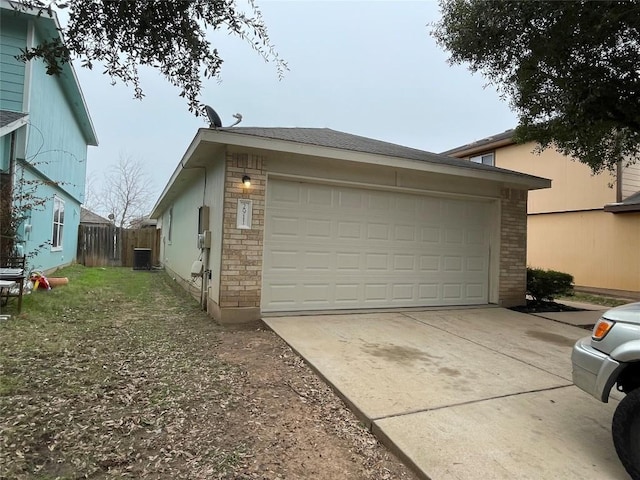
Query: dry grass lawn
x=119, y=374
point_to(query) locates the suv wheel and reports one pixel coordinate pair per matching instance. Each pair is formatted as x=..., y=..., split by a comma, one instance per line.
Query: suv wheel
x=626, y=432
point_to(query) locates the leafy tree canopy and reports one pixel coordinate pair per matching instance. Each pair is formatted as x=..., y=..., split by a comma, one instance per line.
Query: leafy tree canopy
x=170, y=36
x=570, y=69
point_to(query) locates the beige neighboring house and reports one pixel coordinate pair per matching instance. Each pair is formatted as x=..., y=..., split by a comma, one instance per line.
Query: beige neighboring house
x=586, y=225
x=333, y=221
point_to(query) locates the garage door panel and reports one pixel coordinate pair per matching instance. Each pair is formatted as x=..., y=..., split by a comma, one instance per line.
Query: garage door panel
x=376, y=292
x=430, y=234
x=378, y=231
x=322, y=196
x=286, y=194
x=404, y=262
x=347, y=293
x=453, y=236
x=403, y=291
x=379, y=201
x=318, y=261
x=429, y=292
x=284, y=227
x=452, y=263
x=350, y=199
x=429, y=263
x=476, y=264
x=404, y=233
x=326, y=247
x=348, y=261
x=475, y=290
x=452, y=291
x=315, y=292
x=318, y=228
x=349, y=231
x=282, y=295
x=476, y=236
x=282, y=261
x=376, y=262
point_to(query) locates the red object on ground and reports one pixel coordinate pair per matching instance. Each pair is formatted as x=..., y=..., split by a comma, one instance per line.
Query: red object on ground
x=39, y=281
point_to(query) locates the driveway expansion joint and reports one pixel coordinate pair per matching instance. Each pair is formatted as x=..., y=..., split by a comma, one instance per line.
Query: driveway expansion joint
x=470, y=402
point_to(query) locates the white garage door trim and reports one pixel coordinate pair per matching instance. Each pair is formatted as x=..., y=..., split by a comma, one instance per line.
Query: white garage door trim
x=329, y=246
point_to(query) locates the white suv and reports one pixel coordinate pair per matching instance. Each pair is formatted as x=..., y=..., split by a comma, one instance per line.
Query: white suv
x=611, y=356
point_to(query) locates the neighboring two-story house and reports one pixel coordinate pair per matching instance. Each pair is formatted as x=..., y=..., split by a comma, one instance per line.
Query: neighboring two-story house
x=586, y=225
x=45, y=129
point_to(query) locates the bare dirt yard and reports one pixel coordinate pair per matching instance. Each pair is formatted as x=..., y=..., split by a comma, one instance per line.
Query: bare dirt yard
x=120, y=374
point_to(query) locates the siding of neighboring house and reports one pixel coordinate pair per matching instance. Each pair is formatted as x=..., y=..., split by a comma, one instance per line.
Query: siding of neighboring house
x=13, y=37
x=51, y=149
x=573, y=186
x=630, y=180
x=40, y=220
x=57, y=149
x=56, y=143
x=5, y=152
x=568, y=229
x=599, y=249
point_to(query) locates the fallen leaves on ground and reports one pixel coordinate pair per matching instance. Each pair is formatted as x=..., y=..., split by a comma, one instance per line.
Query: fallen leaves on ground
x=150, y=387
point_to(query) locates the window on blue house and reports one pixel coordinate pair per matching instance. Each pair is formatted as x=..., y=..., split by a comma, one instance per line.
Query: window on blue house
x=58, y=223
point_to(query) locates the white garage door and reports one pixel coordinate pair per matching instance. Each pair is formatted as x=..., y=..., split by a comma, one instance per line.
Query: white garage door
x=334, y=247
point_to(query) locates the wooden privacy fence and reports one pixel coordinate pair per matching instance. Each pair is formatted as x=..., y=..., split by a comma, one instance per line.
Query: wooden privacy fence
x=108, y=245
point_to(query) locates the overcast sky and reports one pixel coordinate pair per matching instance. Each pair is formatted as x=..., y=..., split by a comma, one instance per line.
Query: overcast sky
x=364, y=67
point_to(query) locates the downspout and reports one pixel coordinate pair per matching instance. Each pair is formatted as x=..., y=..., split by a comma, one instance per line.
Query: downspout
x=619, y=181
x=12, y=161
x=206, y=252
x=12, y=172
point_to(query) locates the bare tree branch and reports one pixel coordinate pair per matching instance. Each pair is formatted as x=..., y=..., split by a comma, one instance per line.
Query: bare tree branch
x=127, y=192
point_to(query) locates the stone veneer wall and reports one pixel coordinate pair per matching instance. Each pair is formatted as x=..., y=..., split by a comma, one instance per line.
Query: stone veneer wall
x=241, y=268
x=513, y=247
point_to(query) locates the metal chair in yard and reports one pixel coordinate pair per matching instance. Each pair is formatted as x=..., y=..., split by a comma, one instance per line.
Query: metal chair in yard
x=12, y=277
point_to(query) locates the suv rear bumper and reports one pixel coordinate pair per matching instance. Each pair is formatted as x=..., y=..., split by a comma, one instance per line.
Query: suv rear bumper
x=593, y=371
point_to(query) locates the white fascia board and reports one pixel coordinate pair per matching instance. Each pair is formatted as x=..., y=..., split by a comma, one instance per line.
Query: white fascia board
x=529, y=182
x=16, y=124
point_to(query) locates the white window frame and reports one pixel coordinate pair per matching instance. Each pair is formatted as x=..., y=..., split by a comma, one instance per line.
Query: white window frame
x=487, y=158
x=57, y=231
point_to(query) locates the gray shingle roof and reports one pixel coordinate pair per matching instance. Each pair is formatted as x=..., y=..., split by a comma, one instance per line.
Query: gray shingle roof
x=632, y=199
x=506, y=135
x=87, y=216
x=326, y=137
x=7, y=117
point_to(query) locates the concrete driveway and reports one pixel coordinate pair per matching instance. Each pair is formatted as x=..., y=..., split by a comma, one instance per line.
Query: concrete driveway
x=464, y=394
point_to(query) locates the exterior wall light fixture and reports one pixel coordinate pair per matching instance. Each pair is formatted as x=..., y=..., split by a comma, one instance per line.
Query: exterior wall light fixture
x=246, y=181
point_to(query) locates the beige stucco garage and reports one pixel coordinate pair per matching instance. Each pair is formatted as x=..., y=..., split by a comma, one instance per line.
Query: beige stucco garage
x=333, y=221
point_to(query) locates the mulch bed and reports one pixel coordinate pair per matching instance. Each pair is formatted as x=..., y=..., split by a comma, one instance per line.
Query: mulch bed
x=545, y=306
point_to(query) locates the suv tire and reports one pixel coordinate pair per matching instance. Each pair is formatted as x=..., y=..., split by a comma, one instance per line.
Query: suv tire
x=626, y=432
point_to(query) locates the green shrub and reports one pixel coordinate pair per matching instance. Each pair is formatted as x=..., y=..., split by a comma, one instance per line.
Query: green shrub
x=547, y=284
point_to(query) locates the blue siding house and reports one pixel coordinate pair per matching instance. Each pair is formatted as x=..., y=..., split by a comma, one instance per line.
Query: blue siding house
x=45, y=130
